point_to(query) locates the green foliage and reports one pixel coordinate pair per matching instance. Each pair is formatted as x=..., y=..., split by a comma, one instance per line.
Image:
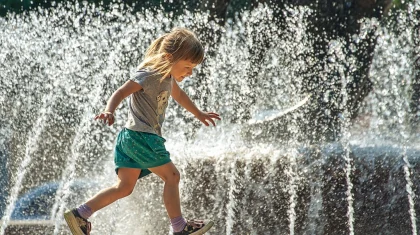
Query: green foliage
x=401, y=4
x=175, y=6
x=19, y=6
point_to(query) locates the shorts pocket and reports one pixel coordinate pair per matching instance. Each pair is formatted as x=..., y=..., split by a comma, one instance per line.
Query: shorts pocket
x=156, y=143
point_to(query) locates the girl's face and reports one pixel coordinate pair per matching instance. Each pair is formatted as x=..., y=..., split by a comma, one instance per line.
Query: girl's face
x=182, y=69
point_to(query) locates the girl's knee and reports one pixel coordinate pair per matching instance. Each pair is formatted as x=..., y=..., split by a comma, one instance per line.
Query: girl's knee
x=173, y=177
x=124, y=190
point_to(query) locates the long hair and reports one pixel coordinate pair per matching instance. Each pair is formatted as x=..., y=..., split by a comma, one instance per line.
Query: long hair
x=179, y=44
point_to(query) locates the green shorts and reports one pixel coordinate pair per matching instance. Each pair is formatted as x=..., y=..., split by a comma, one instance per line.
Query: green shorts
x=140, y=150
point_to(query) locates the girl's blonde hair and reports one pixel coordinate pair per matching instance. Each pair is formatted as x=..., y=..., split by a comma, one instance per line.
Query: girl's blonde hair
x=168, y=49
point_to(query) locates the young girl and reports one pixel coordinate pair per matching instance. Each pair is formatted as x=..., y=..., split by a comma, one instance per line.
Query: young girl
x=140, y=148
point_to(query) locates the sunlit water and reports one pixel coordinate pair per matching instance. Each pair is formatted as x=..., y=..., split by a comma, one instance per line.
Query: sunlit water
x=58, y=69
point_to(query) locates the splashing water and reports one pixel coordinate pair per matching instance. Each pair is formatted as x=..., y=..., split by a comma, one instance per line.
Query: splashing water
x=293, y=194
x=30, y=148
x=63, y=64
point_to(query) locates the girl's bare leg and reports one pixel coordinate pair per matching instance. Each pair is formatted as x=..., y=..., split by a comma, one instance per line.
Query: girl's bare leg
x=127, y=178
x=171, y=176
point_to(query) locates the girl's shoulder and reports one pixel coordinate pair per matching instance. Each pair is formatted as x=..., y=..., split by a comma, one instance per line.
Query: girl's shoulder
x=144, y=73
x=146, y=78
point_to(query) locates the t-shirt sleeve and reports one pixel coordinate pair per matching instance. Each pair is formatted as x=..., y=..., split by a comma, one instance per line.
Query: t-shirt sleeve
x=144, y=78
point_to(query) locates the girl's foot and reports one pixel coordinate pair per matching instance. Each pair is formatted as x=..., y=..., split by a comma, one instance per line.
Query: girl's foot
x=196, y=227
x=77, y=224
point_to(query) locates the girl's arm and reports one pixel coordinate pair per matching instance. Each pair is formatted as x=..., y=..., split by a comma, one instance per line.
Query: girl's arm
x=121, y=93
x=182, y=98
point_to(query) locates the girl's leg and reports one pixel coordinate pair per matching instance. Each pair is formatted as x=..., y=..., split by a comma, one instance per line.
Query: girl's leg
x=171, y=176
x=127, y=178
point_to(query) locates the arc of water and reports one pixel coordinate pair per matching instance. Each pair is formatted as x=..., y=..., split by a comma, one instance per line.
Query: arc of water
x=405, y=73
x=292, y=172
x=407, y=175
x=218, y=205
x=413, y=9
x=247, y=178
x=5, y=132
x=410, y=193
x=345, y=123
x=402, y=113
x=315, y=205
x=231, y=214
x=31, y=148
x=69, y=172
x=271, y=174
x=350, y=199
x=345, y=141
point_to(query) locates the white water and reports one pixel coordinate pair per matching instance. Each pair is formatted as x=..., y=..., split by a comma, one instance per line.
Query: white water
x=410, y=193
x=69, y=172
x=30, y=148
x=231, y=206
x=292, y=173
x=91, y=61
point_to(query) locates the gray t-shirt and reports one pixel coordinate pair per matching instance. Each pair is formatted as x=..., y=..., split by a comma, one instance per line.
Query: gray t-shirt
x=148, y=106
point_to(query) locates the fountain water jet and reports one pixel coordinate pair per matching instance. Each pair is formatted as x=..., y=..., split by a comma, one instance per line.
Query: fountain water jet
x=30, y=148
x=279, y=185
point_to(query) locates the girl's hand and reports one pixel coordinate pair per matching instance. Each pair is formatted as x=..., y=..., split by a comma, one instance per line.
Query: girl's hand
x=206, y=117
x=107, y=117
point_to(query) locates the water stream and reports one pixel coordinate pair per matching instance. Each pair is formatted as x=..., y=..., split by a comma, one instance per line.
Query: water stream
x=30, y=148
x=59, y=67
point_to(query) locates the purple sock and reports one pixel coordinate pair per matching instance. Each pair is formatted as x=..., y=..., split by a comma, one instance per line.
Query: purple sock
x=178, y=223
x=84, y=211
